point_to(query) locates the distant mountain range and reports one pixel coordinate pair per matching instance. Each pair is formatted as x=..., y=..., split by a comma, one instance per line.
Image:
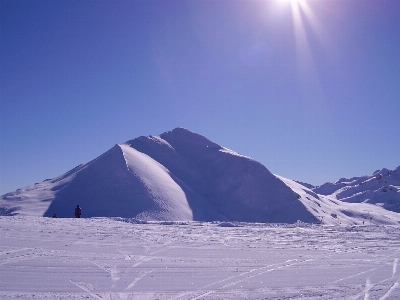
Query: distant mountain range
x=182, y=176
x=381, y=188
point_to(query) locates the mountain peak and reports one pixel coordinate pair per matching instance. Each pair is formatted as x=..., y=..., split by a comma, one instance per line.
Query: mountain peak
x=182, y=136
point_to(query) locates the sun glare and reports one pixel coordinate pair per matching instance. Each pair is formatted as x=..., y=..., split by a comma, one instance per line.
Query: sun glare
x=302, y=13
x=292, y=1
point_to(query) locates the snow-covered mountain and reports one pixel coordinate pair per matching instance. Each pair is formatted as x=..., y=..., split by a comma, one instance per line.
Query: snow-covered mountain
x=382, y=188
x=181, y=175
x=329, y=210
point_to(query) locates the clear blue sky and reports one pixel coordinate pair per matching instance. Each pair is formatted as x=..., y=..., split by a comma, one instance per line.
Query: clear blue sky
x=311, y=89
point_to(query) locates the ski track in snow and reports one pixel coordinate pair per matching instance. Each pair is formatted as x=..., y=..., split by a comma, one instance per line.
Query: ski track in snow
x=395, y=266
x=104, y=258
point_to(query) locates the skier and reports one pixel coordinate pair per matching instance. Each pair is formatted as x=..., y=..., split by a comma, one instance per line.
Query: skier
x=54, y=216
x=78, y=212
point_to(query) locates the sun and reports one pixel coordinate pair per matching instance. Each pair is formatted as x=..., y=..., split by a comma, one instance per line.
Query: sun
x=292, y=1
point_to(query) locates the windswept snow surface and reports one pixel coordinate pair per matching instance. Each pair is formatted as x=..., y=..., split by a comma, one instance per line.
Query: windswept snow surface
x=116, y=258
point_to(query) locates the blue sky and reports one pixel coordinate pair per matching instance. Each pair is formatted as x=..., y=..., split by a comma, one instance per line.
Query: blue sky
x=311, y=89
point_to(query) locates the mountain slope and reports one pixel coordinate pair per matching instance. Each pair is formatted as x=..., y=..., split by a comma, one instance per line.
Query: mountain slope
x=123, y=182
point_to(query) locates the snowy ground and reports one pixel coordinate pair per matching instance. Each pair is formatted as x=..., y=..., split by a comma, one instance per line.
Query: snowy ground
x=103, y=258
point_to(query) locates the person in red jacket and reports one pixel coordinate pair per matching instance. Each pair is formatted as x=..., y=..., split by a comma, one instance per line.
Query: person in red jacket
x=78, y=212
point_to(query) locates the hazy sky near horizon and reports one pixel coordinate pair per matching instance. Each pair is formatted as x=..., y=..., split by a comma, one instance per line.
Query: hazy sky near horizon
x=311, y=89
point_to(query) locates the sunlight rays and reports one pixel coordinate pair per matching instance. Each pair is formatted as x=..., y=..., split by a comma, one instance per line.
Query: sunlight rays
x=309, y=82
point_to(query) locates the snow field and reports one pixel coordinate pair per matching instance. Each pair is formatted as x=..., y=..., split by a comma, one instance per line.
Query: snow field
x=115, y=258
